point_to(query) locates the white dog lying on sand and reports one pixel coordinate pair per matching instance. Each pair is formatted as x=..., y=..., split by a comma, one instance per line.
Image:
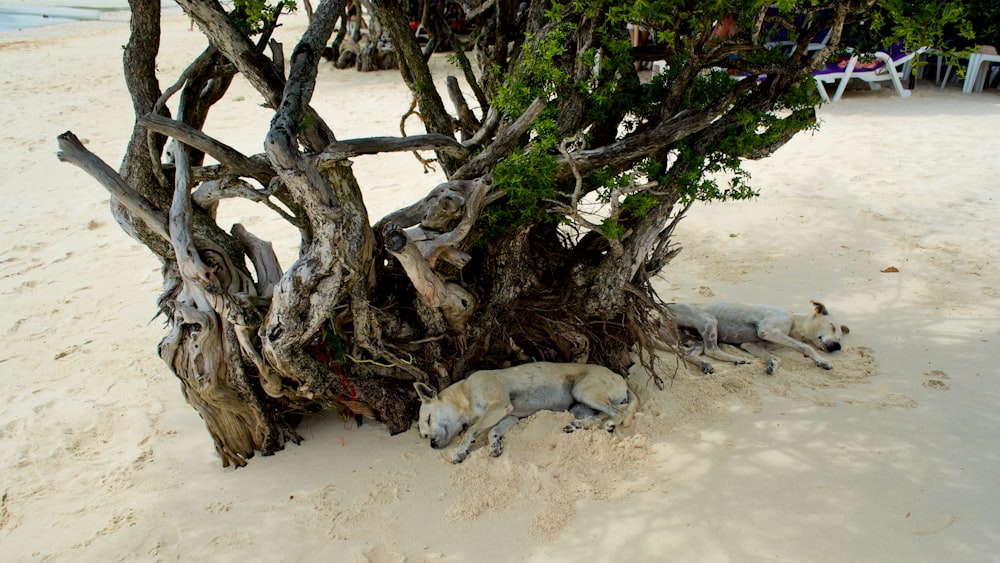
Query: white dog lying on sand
x=751, y=327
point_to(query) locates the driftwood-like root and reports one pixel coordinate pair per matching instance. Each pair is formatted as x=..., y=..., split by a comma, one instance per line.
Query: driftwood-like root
x=263, y=258
x=439, y=222
x=455, y=302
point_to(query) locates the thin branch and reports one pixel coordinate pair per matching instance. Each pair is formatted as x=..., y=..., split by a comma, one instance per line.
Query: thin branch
x=253, y=64
x=237, y=162
x=298, y=89
x=638, y=145
x=192, y=269
x=502, y=143
x=195, y=68
x=341, y=150
x=573, y=210
x=428, y=163
x=489, y=126
x=210, y=193
x=278, y=55
x=459, y=48
x=466, y=119
x=224, y=34
x=475, y=12
x=71, y=150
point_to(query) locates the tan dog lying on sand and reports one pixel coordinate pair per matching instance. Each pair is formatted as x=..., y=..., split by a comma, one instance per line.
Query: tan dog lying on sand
x=752, y=327
x=495, y=399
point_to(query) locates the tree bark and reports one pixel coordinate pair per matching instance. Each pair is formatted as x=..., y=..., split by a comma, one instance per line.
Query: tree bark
x=417, y=75
x=548, y=261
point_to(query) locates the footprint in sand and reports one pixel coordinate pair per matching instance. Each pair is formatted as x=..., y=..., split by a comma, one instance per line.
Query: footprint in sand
x=219, y=507
x=6, y=521
x=936, y=523
x=936, y=380
x=25, y=286
x=72, y=350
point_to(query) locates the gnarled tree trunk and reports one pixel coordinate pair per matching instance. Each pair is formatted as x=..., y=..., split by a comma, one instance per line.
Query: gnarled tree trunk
x=562, y=195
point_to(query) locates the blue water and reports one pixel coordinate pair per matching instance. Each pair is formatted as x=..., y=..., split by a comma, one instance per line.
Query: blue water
x=23, y=16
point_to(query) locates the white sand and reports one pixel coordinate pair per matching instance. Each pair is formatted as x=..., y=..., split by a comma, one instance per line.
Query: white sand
x=893, y=455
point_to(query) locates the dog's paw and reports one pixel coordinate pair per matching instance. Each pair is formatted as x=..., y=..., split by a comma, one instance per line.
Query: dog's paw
x=824, y=364
x=772, y=366
x=571, y=427
x=459, y=456
x=609, y=426
x=707, y=369
x=496, y=448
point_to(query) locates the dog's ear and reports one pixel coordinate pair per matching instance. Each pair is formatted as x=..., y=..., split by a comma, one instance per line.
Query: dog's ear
x=425, y=393
x=844, y=329
x=820, y=308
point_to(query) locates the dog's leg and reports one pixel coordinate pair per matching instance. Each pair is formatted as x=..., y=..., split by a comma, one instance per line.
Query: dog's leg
x=762, y=353
x=686, y=351
x=707, y=327
x=692, y=355
x=625, y=412
x=712, y=350
x=602, y=392
x=584, y=417
x=493, y=415
x=613, y=414
x=785, y=340
x=496, y=435
x=686, y=354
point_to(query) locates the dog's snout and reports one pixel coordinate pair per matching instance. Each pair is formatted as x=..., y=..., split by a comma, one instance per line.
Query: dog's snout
x=437, y=445
x=832, y=346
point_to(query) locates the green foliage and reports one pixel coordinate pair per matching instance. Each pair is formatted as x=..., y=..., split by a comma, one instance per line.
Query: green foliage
x=702, y=167
x=253, y=16
x=529, y=178
x=676, y=18
x=917, y=23
x=984, y=19
x=308, y=120
x=454, y=57
x=537, y=74
x=633, y=206
x=946, y=26
x=605, y=96
x=611, y=229
x=529, y=175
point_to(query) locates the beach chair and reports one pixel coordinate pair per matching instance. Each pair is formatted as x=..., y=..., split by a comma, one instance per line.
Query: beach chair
x=947, y=64
x=980, y=65
x=781, y=40
x=889, y=67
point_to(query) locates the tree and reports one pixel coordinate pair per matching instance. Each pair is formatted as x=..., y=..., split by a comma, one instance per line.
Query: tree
x=561, y=198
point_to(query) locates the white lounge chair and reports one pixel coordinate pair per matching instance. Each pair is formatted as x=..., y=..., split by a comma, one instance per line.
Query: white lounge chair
x=976, y=76
x=894, y=65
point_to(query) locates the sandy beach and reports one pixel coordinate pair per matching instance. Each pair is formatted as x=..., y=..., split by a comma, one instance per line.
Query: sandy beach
x=894, y=455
